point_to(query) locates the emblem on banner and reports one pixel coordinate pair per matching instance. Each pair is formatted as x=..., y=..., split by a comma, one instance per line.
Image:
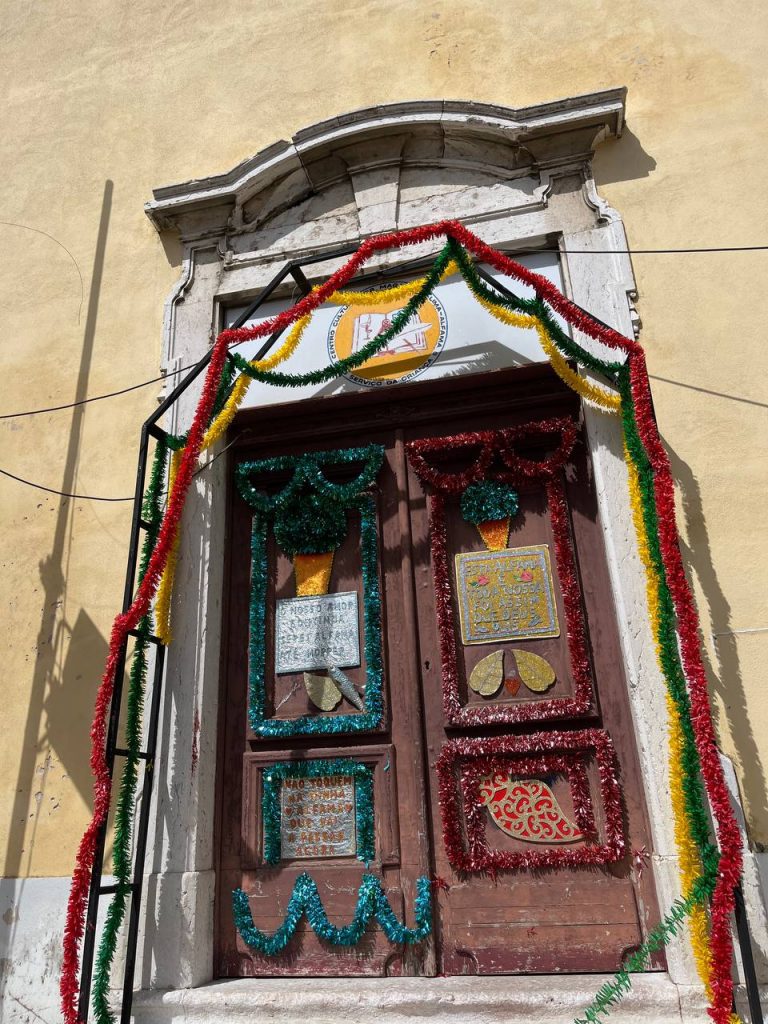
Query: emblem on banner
x=405, y=356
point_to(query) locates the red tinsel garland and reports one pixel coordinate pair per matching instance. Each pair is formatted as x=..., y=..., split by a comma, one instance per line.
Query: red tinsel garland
x=538, y=469
x=549, y=472
x=525, y=756
x=493, y=442
x=102, y=786
x=722, y=901
x=575, y=316
x=728, y=834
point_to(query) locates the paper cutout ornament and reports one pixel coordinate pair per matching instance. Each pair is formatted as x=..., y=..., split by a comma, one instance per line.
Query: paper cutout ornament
x=313, y=573
x=495, y=533
x=326, y=692
x=488, y=674
x=531, y=669
x=535, y=671
x=526, y=809
x=322, y=691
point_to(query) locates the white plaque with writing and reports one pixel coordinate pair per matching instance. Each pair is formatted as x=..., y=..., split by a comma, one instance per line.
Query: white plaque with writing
x=317, y=817
x=317, y=632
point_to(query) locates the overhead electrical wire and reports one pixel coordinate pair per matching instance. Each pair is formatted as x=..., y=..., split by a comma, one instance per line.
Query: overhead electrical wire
x=389, y=272
x=94, y=497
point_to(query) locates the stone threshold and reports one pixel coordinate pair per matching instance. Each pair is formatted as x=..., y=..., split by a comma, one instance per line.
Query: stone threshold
x=537, y=999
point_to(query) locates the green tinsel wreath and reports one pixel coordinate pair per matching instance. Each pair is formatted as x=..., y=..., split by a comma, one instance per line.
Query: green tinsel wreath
x=488, y=500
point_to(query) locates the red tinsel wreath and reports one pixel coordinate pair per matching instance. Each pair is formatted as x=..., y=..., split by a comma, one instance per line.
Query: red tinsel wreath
x=549, y=470
x=463, y=761
x=490, y=443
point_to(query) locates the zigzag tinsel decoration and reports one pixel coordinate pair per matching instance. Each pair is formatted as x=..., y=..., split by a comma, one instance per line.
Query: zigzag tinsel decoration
x=305, y=900
x=672, y=612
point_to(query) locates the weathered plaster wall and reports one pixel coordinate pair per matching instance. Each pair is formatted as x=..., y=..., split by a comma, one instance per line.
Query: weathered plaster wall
x=104, y=102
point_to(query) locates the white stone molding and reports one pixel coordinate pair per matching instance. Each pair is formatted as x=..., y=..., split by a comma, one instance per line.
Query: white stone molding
x=518, y=178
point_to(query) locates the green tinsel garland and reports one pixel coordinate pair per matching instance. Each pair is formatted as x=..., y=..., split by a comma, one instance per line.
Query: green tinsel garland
x=178, y=441
x=307, y=473
x=695, y=799
x=488, y=500
x=339, y=367
x=305, y=899
x=121, y=853
x=270, y=801
x=695, y=806
x=615, y=989
x=535, y=307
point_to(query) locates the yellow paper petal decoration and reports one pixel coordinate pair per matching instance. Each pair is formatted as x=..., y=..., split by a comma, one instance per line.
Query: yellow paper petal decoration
x=322, y=691
x=535, y=671
x=488, y=674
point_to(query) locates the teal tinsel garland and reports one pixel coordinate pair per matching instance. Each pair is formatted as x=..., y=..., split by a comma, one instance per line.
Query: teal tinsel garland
x=488, y=500
x=270, y=801
x=313, y=725
x=307, y=474
x=372, y=903
x=312, y=525
x=289, y=510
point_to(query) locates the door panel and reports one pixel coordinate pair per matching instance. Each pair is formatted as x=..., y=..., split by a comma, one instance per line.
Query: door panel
x=513, y=904
x=445, y=761
x=255, y=759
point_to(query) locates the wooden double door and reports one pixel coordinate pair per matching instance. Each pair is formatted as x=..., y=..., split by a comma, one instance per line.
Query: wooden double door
x=478, y=708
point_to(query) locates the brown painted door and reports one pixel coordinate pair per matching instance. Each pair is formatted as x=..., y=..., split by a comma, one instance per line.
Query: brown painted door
x=522, y=801
x=391, y=751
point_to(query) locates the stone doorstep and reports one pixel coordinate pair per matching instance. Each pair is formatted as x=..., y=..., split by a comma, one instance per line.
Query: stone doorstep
x=537, y=999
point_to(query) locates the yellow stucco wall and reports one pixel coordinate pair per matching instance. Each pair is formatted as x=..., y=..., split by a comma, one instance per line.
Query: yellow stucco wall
x=145, y=94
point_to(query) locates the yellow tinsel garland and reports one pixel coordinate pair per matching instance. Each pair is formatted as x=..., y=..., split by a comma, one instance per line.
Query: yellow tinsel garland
x=690, y=862
x=165, y=589
x=590, y=392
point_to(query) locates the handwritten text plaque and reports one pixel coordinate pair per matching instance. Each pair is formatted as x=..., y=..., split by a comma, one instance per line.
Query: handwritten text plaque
x=317, y=817
x=506, y=595
x=317, y=632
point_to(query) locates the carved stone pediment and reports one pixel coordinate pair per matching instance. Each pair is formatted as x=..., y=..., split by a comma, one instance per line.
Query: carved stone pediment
x=372, y=167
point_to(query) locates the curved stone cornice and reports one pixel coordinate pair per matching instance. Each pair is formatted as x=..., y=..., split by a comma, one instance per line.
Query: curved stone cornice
x=452, y=133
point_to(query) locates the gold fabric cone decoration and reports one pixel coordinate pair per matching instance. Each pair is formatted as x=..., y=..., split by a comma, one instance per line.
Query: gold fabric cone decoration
x=495, y=533
x=313, y=574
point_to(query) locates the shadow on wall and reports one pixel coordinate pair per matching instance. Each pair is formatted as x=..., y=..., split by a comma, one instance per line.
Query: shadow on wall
x=621, y=159
x=61, y=690
x=725, y=679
